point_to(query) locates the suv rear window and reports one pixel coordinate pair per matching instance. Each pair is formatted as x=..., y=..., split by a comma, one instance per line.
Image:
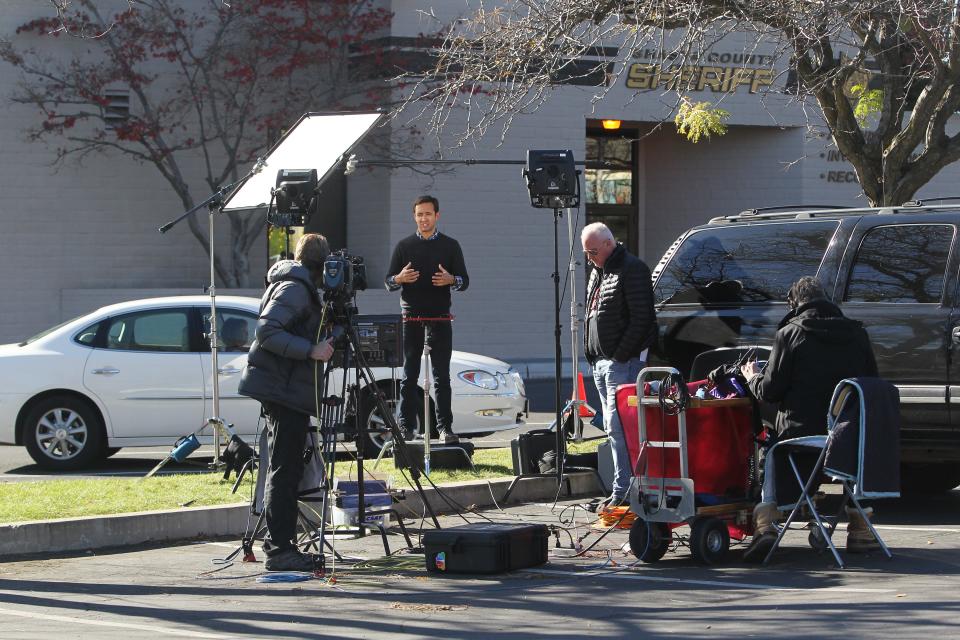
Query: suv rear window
x=901, y=263
x=750, y=263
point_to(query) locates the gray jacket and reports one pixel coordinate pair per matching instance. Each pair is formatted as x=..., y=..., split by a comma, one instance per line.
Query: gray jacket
x=279, y=369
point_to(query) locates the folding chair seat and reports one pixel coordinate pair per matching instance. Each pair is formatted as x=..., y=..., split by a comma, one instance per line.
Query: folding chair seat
x=861, y=452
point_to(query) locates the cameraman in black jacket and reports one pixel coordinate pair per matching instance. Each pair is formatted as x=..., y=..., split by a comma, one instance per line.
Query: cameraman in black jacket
x=621, y=324
x=282, y=373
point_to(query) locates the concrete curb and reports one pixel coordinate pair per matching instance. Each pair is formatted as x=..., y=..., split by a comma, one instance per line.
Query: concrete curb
x=128, y=529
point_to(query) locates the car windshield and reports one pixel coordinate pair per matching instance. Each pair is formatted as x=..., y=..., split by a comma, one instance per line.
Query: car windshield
x=47, y=332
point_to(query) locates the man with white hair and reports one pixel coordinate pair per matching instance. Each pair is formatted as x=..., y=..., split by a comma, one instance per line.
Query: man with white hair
x=621, y=324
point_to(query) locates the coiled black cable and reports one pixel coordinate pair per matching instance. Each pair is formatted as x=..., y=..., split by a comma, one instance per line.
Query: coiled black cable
x=673, y=394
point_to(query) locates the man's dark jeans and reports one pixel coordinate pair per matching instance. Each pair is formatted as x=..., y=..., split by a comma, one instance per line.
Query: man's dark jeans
x=288, y=433
x=439, y=335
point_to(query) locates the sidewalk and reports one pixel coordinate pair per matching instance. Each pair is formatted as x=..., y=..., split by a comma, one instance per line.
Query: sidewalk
x=101, y=532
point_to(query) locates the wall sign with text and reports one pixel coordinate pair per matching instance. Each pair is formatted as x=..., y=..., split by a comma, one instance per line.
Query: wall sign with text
x=724, y=73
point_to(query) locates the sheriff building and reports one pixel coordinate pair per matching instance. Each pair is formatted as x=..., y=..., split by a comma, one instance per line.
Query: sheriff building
x=82, y=235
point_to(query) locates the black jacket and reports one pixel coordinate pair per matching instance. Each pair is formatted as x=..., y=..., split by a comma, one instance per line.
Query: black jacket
x=815, y=348
x=279, y=369
x=422, y=298
x=626, y=321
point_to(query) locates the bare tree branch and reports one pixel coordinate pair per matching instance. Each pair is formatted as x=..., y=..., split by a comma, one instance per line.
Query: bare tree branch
x=507, y=58
x=207, y=80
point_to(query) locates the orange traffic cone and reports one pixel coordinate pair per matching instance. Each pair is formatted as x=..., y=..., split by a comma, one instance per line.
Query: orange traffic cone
x=585, y=410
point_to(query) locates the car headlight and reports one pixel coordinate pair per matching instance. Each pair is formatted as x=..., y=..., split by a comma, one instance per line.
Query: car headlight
x=518, y=381
x=480, y=379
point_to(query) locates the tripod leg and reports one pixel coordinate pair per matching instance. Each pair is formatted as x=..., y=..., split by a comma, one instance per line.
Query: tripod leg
x=403, y=528
x=246, y=544
x=329, y=545
x=383, y=451
x=426, y=503
x=506, y=496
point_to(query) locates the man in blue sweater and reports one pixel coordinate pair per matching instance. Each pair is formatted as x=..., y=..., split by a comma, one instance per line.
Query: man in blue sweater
x=425, y=266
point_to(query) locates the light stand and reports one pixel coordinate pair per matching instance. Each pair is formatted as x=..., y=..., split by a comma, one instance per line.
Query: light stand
x=561, y=441
x=553, y=183
x=215, y=205
x=426, y=407
x=576, y=402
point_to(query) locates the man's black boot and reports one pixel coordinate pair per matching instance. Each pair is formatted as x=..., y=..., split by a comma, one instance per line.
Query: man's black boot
x=291, y=560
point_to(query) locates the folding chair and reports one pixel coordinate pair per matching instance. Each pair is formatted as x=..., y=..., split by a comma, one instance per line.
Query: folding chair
x=861, y=452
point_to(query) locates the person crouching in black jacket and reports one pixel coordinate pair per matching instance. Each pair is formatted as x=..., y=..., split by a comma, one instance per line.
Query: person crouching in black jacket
x=282, y=373
x=815, y=348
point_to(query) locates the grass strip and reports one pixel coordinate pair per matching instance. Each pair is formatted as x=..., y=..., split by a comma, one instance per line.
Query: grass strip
x=79, y=497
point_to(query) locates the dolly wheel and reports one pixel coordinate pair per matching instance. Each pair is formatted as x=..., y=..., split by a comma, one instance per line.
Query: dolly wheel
x=649, y=540
x=709, y=540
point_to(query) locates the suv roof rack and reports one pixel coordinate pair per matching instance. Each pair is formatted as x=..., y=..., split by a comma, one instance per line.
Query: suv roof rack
x=791, y=207
x=812, y=211
x=792, y=211
x=919, y=203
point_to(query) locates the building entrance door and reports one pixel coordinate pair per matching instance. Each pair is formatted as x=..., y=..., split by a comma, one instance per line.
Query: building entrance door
x=610, y=183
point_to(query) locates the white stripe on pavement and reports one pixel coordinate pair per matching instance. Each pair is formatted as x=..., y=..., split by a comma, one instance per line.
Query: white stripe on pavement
x=624, y=575
x=884, y=527
x=149, y=628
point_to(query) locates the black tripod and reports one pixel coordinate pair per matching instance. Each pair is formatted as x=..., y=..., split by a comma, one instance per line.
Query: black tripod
x=339, y=413
x=308, y=521
x=347, y=340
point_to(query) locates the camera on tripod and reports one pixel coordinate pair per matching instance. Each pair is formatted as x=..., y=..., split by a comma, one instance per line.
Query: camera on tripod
x=343, y=275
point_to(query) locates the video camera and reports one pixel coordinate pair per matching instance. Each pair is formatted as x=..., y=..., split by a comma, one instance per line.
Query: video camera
x=343, y=275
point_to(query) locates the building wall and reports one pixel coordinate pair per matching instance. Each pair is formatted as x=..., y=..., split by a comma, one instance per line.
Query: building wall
x=87, y=226
x=78, y=236
x=687, y=184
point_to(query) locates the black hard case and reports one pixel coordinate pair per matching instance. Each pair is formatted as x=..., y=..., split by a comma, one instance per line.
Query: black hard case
x=486, y=547
x=528, y=449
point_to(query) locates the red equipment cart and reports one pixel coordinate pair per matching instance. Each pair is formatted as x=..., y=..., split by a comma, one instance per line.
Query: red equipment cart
x=693, y=468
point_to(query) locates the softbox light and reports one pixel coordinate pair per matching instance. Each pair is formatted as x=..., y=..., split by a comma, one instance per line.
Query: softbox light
x=317, y=141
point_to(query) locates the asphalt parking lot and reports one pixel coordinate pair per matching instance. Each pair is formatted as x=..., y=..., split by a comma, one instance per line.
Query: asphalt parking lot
x=166, y=592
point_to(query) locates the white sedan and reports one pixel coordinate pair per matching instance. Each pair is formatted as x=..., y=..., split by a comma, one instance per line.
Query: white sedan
x=138, y=374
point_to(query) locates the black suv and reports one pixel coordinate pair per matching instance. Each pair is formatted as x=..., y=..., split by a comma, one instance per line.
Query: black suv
x=724, y=284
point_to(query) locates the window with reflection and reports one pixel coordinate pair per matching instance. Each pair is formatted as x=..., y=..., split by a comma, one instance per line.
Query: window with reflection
x=901, y=263
x=235, y=329
x=158, y=330
x=609, y=170
x=88, y=336
x=734, y=265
